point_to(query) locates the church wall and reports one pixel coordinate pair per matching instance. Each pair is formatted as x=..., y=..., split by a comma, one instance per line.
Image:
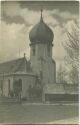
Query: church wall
x=27, y=80
x=41, y=50
x=6, y=80
x=42, y=61
x=49, y=72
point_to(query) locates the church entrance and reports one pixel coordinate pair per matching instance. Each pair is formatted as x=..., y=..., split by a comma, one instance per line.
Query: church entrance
x=17, y=88
x=35, y=92
x=1, y=87
x=9, y=87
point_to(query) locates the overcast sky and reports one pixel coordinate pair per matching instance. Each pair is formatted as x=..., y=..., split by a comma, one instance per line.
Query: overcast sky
x=17, y=18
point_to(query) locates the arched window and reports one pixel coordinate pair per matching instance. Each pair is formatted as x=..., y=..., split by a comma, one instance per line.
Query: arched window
x=34, y=51
x=48, y=49
x=17, y=85
x=20, y=84
x=9, y=85
x=1, y=85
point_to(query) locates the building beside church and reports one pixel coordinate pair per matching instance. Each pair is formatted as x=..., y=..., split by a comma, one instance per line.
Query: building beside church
x=36, y=77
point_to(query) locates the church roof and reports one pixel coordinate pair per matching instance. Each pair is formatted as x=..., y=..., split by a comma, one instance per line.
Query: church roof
x=41, y=33
x=13, y=66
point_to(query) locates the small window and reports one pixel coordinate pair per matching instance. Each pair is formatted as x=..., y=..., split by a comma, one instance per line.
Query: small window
x=1, y=85
x=9, y=85
x=48, y=49
x=34, y=51
x=20, y=84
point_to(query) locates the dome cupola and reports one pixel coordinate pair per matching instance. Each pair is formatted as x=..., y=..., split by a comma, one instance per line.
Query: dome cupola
x=41, y=33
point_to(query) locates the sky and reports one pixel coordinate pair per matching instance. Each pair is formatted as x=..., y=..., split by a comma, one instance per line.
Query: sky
x=17, y=19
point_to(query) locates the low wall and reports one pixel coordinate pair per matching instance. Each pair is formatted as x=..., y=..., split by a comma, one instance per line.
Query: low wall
x=61, y=97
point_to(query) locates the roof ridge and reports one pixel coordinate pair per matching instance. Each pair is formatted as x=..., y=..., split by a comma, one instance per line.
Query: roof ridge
x=14, y=65
x=20, y=64
x=11, y=60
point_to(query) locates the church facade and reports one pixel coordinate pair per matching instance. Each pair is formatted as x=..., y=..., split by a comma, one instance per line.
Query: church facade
x=38, y=74
x=14, y=72
x=41, y=37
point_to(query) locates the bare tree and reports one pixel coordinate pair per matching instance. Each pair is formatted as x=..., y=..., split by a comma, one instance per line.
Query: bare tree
x=72, y=50
x=61, y=75
x=72, y=47
x=74, y=76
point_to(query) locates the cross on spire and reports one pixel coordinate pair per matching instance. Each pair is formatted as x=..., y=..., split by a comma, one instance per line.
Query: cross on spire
x=41, y=14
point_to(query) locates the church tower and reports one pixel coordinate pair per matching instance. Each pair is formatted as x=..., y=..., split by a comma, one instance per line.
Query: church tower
x=41, y=38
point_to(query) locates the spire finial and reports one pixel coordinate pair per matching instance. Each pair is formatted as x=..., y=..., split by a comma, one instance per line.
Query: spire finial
x=41, y=14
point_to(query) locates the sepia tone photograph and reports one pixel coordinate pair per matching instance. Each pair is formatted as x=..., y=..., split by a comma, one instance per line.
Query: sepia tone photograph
x=39, y=62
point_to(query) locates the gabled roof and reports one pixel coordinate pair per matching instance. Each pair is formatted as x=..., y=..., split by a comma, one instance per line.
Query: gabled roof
x=13, y=66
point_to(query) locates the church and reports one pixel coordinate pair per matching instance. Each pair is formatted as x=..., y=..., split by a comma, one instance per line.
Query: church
x=35, y=78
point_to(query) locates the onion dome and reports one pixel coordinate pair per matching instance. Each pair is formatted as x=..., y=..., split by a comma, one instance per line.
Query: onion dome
x=41, y=33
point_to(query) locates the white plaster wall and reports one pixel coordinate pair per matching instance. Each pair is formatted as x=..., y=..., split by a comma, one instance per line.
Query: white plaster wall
x=5, y=88
x=49, y=72
x=26, y=81
x=6, y=85
x=47, y=66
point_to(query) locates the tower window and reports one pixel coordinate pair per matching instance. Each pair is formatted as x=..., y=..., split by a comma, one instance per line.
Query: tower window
x=34, y=51
x=48, y=49
x=1, y=85
x=20, y=84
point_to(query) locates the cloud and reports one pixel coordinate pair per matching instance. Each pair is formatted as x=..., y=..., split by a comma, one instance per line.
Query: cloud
x=70, y=25
x=64, y=16
x=32, y=17
x=67, y=15
x=18, y=22
x=11, y=8
x=14, y=37
x=59, y=38
x=12, y=12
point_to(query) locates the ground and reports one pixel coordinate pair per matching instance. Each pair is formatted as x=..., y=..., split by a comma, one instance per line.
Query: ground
x=39, y=113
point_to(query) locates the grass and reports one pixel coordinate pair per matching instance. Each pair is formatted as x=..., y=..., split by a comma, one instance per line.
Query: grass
x=18, y=113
